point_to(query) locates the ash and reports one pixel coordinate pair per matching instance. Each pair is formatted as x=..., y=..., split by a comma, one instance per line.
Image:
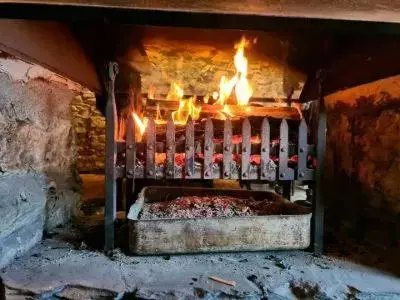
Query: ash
x=190, y=207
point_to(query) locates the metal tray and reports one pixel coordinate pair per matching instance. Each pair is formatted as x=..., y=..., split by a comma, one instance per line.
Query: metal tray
x=255, y=233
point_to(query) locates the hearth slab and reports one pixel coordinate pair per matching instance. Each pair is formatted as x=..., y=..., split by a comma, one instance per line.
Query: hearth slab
x=56, y=268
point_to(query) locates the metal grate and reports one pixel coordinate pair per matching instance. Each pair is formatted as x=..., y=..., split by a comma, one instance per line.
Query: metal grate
x=198, y=161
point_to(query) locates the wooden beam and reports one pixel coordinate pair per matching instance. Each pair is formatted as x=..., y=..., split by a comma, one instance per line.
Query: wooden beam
x=376, y=11
x=51, y=45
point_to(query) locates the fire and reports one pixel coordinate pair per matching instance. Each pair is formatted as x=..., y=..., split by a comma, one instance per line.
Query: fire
x=186, y=108
x=225, y=113
x=121, y=130
x=239, y=81
x=159, y=119
x=141, y=124
x=175, y=91
x=225, y=88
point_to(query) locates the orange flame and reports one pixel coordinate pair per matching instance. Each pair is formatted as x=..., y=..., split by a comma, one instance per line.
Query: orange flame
x=186, y=108
x=225, y=113
x=175, y=92
x=243, y=90
x=225, y=88
x=159, y=119
x=121, y=129
x=141, y=124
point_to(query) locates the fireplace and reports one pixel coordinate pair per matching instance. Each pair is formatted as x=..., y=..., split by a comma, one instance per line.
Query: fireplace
x=188, y=97
x=232, y=125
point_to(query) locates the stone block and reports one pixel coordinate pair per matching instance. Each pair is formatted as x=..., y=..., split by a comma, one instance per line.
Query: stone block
x=87, y=95
x=77, y=99
x=38, y=119
x=97, y=122
x=22, y=213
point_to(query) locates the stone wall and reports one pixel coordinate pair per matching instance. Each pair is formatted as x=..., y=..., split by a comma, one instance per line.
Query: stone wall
x=38, y=184
x=89, y=126
x=198, y=67
x=363, y=155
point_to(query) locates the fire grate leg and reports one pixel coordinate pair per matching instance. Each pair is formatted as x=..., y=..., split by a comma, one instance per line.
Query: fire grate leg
x=110, y=163
x=318, y=203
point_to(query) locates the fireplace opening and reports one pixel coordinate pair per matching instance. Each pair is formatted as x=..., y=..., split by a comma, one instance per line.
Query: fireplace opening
x=204, y=139
x=207, y=109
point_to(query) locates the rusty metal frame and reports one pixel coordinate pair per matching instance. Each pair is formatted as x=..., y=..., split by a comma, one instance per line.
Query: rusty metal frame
x=110, y=208
x=170, y=152
x=318, y=195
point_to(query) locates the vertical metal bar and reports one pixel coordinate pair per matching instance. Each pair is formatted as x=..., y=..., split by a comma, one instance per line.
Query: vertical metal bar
x=189, y=149
x=268, y=168
x=303, y=173
x=285, y=173
x=246, y=149
x=111, y=159
x=318, y=203
x=130, y=160
x=208, y=149
x=170, y=143
x=227, y=156
x=130, y=148
x=151, y=149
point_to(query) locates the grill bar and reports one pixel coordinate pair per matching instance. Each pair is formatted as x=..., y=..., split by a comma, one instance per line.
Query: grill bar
x=227, y=156
x=130, y=149
x=285, y=173
x=200, y=160
x=208, y=149
x=150, y=148
x=303, y=172
x=170, y=152
x=268, y=168
x=189, y=149
x=246, y=149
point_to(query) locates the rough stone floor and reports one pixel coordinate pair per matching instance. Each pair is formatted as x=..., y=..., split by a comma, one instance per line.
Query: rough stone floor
x=64, y=267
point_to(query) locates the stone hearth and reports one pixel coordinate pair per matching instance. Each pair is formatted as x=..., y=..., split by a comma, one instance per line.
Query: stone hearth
x=63, y=266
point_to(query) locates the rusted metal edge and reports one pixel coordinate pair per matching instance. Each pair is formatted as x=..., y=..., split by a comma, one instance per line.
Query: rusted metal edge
x=227, y=149
x=285, y=173
x=170, y=152
x=130, y=149
x=246, y=149
x=111, y=159
x=208, y=149
x=303, y=173
x=151, y=149
x=267, y=166
x=189, y=149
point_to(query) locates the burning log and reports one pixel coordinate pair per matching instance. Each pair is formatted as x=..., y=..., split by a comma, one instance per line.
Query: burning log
x=274, y=110
x=290, y=113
